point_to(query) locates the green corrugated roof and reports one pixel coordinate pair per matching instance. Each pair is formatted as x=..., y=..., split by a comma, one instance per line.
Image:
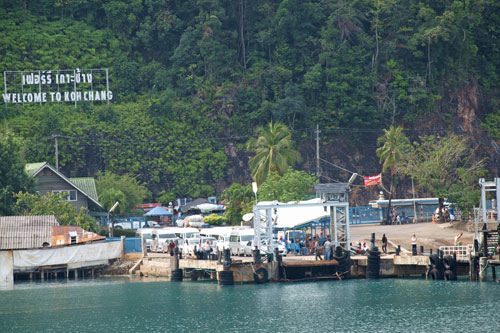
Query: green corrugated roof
x=31, y=168
x=87, y=184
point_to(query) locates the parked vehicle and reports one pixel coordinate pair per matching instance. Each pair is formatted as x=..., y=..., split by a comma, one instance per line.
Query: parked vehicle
x=185, y=233
x=221, y=234
x=147, y=233
x=189, y=246
x=134, y=223
x=164, y=236
x=295, y=235
x=239, y=239
x=264, y=248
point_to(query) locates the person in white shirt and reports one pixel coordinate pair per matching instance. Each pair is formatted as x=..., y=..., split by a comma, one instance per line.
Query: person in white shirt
x=328, y=249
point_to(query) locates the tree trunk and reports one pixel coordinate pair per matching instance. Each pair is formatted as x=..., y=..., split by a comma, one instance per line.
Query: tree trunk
x=389, y=215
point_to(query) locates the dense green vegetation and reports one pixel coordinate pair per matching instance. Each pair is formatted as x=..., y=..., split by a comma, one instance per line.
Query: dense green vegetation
x=192, y=80
x=55, y=204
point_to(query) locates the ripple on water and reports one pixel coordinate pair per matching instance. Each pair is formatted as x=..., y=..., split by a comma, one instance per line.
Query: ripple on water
x=389, y=305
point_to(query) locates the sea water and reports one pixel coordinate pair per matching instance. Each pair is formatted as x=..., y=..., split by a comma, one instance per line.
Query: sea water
x=125, y=305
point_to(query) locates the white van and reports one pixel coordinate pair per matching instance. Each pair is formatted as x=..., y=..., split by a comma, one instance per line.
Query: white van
x=164, y=236
x=185, y=233
x=147, y=233
x=238, y=240
x=298, y=234
x=222, y=234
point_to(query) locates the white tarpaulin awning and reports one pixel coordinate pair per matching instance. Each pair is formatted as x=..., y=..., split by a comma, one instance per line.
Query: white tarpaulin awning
x=76, y=255
x=290, y=217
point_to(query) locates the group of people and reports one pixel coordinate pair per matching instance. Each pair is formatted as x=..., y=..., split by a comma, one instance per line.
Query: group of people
x=317, y=246
x=447, y=214
x=399, y=218
x=203, y=250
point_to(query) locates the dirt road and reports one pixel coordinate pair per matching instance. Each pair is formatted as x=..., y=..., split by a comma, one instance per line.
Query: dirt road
x=430, y=235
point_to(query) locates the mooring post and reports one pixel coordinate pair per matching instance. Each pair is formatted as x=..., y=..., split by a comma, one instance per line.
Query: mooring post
x=256, y=256
x=227, y=259
x=483, y=272
x=276, y=265
x=176, y=260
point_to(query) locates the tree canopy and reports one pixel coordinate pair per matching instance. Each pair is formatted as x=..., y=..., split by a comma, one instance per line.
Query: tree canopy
x=193, y=80
x=274, y=151
x=12, y=176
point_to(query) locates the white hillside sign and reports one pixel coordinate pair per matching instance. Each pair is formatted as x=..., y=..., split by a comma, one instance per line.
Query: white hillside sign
x=56, y=86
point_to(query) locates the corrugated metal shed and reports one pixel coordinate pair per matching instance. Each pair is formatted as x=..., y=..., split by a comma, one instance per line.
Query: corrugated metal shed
x=87, y=184
x=26, y=232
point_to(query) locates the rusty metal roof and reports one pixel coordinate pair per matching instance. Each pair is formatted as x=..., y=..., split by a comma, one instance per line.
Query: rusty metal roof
x=26, y=232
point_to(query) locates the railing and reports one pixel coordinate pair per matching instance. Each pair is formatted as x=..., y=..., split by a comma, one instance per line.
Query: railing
x=462, y=251
x=364, y=215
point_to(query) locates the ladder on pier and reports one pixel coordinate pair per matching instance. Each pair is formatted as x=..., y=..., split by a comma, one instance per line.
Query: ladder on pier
x=492, y=240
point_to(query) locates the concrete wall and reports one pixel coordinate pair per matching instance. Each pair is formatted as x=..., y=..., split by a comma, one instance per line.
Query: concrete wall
x=6, y=268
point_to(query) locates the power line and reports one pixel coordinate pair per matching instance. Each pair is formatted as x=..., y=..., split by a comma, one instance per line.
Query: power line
x=339, y=167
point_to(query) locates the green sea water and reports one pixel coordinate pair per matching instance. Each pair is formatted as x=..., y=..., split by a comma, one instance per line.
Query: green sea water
x=125, y=305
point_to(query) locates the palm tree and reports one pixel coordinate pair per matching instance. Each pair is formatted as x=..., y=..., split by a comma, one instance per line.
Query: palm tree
x=393, y=145
x=273, y=149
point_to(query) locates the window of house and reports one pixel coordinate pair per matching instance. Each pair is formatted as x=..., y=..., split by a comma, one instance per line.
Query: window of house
x=70, y=194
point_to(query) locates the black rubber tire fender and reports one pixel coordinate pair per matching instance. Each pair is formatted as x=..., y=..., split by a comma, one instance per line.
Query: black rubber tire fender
x=176, y=275
x=226, y=278
x=261, y=275
x=435, y=261
x=449, y=275
x=449, y=263
x=435, y=274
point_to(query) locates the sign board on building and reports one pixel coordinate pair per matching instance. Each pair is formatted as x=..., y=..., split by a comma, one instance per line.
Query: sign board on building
x=56, y=86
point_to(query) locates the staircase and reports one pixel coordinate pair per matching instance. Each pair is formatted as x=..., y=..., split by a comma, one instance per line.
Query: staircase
x=492, y=238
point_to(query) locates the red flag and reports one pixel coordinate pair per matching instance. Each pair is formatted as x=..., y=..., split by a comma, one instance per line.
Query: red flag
x=373, y=180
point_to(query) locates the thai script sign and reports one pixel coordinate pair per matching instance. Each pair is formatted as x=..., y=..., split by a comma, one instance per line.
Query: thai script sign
x=57, y=86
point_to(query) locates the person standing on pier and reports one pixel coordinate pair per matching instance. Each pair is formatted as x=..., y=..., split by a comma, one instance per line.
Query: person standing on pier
x=414, y=244
x=328, y=249
x=206, y=250
x=171, y=247
x=317, y=248
x=384, y=244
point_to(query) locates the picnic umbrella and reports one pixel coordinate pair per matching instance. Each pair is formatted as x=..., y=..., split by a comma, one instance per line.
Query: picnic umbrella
x=158, y=211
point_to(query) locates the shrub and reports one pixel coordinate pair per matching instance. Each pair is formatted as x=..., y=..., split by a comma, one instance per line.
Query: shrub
x=214, y=219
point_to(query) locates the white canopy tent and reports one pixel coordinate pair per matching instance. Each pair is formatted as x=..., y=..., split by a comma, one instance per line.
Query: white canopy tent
x=273, y=214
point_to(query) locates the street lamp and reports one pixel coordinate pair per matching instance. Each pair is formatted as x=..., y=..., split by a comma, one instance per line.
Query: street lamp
x=113, y=223
x=254, y=188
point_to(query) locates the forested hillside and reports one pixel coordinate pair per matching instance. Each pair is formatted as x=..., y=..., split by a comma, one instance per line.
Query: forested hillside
x=192, y=80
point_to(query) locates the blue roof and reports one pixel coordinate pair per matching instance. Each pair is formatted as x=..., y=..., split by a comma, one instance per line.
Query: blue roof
x=158, y=211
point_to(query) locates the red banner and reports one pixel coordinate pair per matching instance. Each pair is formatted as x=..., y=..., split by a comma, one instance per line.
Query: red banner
x=373, y=180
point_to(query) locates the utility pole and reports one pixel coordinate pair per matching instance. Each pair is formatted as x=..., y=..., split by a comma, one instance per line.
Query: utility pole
x=56, y=144
x=317, y=150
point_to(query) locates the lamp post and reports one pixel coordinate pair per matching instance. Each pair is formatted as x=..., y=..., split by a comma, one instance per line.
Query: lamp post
x=254, y=188
x=113, y=223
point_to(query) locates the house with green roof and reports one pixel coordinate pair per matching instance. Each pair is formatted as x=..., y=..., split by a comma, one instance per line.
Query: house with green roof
x=81, y=191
